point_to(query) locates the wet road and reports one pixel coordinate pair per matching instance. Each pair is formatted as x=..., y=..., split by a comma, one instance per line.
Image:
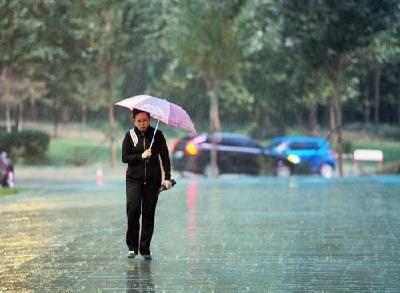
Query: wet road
x=233, y=234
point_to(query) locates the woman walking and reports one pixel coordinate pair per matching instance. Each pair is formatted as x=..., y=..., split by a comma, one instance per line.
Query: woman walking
x=146, y=167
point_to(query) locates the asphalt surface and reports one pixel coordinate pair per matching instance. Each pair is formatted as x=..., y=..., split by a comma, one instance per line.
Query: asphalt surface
x=232, y=234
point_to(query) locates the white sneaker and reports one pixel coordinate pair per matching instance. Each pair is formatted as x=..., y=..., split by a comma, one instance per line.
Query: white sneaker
x=131, y=254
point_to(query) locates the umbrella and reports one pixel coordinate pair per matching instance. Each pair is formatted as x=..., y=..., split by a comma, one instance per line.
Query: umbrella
x=160, y=109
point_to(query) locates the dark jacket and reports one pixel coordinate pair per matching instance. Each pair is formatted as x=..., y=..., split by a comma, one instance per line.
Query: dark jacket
x=148, y=170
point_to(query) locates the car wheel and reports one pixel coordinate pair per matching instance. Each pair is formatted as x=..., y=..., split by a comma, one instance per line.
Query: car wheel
x=208, y=171
x=326, y=171
x=282, y=170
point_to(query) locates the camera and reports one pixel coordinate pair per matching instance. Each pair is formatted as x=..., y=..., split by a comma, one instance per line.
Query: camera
x=163, y=187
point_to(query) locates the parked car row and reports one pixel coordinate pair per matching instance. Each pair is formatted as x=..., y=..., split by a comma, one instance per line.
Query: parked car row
x=242, y=154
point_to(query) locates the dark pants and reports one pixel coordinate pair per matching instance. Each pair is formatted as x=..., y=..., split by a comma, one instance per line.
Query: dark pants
x=141, y=200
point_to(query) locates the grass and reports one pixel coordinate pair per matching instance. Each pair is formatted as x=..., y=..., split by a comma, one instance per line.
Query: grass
x=80, y=151
x=79, y=146
x=8, y=191
x=77, y=152
x=390, y=148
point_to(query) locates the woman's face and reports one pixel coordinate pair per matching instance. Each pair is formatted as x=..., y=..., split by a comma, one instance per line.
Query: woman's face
x=141, y=121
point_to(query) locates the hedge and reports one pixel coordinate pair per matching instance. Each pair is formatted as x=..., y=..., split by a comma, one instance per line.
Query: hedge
x=29, y=146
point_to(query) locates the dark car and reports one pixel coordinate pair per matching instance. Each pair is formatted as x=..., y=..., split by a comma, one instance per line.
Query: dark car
x=235, y=154
x=6, y=170
x=313, y=153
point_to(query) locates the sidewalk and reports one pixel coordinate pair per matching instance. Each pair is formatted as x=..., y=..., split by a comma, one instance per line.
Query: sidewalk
x=229, y=235
x=85, y=173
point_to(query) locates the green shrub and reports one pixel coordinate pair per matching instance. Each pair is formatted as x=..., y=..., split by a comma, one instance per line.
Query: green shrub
x=77, y=152
x=81, y=157
x=348, y=147
x=383, y=130
x=30, y=146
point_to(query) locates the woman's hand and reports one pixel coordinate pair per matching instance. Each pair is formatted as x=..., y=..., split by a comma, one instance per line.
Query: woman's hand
x=146, y=154
x=167, y=184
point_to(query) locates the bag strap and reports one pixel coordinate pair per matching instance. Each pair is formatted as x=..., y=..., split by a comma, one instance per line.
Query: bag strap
x=133, y=137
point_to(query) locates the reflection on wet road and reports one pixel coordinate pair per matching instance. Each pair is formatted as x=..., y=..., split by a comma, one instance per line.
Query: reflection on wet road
x=229, y=234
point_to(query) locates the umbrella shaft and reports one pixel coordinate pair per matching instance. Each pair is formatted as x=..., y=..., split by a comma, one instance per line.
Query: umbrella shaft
x=154, y=134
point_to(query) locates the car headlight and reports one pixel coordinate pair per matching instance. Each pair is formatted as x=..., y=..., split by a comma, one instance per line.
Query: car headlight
x=191, y=149
x=293, y=159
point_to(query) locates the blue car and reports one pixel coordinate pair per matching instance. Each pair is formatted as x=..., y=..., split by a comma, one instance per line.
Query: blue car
x=311, y=152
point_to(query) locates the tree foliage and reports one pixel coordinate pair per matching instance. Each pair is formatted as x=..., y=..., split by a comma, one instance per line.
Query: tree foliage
x=278, y=63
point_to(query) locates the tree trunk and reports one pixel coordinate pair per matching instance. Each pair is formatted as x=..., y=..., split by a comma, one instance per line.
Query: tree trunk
x=65, y=116
x=55, y=123
x=332, y=120
x=83, y=116
x=214, y=124
x=33, y=110
x=366, y=102
x=259, y=119
x=108, y=68
x=8, y=118
x=111, y=119
x=214, y=127
x=312, y=118
x=338, y=112
x=18, y=117
x=111, y=116
x=214, y=113
x=377, y=97
x=398, y=99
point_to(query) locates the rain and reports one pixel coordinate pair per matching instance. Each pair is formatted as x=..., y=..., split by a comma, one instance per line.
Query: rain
x=281, y=124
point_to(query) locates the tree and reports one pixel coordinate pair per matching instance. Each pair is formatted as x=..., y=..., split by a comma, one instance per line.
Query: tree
x=123, y=32
x=203, y=34
x=61, y=58
x=388, y=52
x=327, y=34
x=282, y=88
x=18, y=42
x=13, y=92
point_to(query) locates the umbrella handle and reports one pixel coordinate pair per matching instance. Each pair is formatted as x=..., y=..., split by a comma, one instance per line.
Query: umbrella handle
x=154, y=134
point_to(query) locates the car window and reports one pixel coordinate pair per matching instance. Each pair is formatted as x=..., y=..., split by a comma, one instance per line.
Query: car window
x=303, y=145
x=274, y=144
x=238, y=141
x=218, y=139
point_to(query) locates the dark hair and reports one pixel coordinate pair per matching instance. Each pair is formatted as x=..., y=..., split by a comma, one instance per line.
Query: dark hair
x=137, y=111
